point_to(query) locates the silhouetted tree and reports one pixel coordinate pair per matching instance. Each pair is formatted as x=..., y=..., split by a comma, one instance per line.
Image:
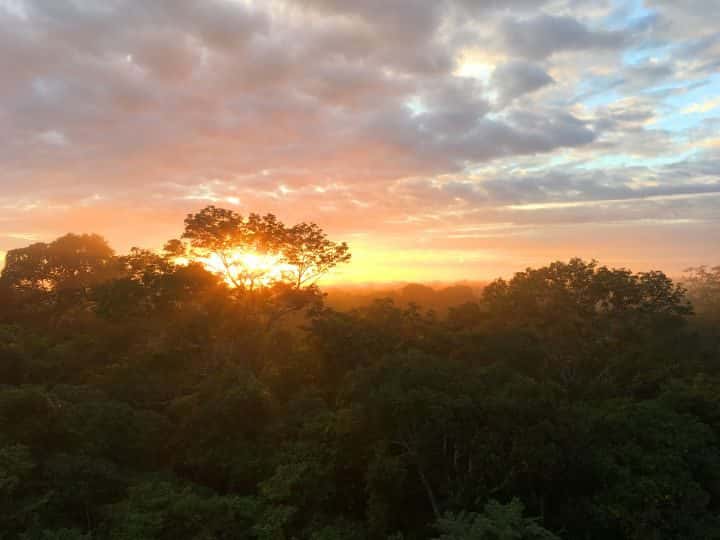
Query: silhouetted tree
x=258, y=250
x=60, y=273
x=309, y=253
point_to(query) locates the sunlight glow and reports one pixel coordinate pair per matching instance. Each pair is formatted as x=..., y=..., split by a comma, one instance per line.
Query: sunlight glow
x=245, y=269
x=477, y=63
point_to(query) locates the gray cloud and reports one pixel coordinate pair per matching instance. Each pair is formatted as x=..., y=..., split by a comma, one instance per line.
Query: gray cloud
x=516, y=78
x=131, y=82
x=563, y=188
x=544, y=35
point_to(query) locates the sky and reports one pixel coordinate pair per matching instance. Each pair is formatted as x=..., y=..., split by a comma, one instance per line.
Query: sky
x=442, y=139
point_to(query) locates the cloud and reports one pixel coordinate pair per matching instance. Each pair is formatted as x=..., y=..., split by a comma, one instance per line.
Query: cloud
x=370, y=117
x=544, y=35
x=516, y=78
x=53, y=137
x=705, y=106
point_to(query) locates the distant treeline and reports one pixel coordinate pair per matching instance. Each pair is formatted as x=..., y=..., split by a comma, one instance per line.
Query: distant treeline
x=438, y=298
x=141, y=399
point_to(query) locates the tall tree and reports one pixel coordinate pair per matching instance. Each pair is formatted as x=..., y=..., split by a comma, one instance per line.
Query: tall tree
x=73, y=261
x=58, y=275
x=310, y=254
x=258, y=251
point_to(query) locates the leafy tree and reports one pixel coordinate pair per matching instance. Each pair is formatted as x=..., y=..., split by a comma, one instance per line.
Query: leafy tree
x=421, y=410
x=579, y=314
x=310, y=254
x=703, y=284
x=164, y=510
x=258, y=250
x=17, y=499
x=496, y=522
x=72, y=263
x=220, y=431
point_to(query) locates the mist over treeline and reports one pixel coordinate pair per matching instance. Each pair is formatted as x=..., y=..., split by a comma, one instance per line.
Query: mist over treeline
x=436, y=297
x=210, y=393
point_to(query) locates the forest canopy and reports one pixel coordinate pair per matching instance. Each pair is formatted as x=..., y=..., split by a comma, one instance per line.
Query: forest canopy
x=210, y=391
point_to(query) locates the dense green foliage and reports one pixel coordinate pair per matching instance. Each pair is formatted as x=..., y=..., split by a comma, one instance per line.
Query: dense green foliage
x=143, y=400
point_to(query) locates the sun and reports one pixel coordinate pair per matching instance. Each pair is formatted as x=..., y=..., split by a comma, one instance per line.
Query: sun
x=245, y=269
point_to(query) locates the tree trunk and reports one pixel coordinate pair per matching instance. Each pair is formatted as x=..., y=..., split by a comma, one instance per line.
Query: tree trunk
x=429, y=491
